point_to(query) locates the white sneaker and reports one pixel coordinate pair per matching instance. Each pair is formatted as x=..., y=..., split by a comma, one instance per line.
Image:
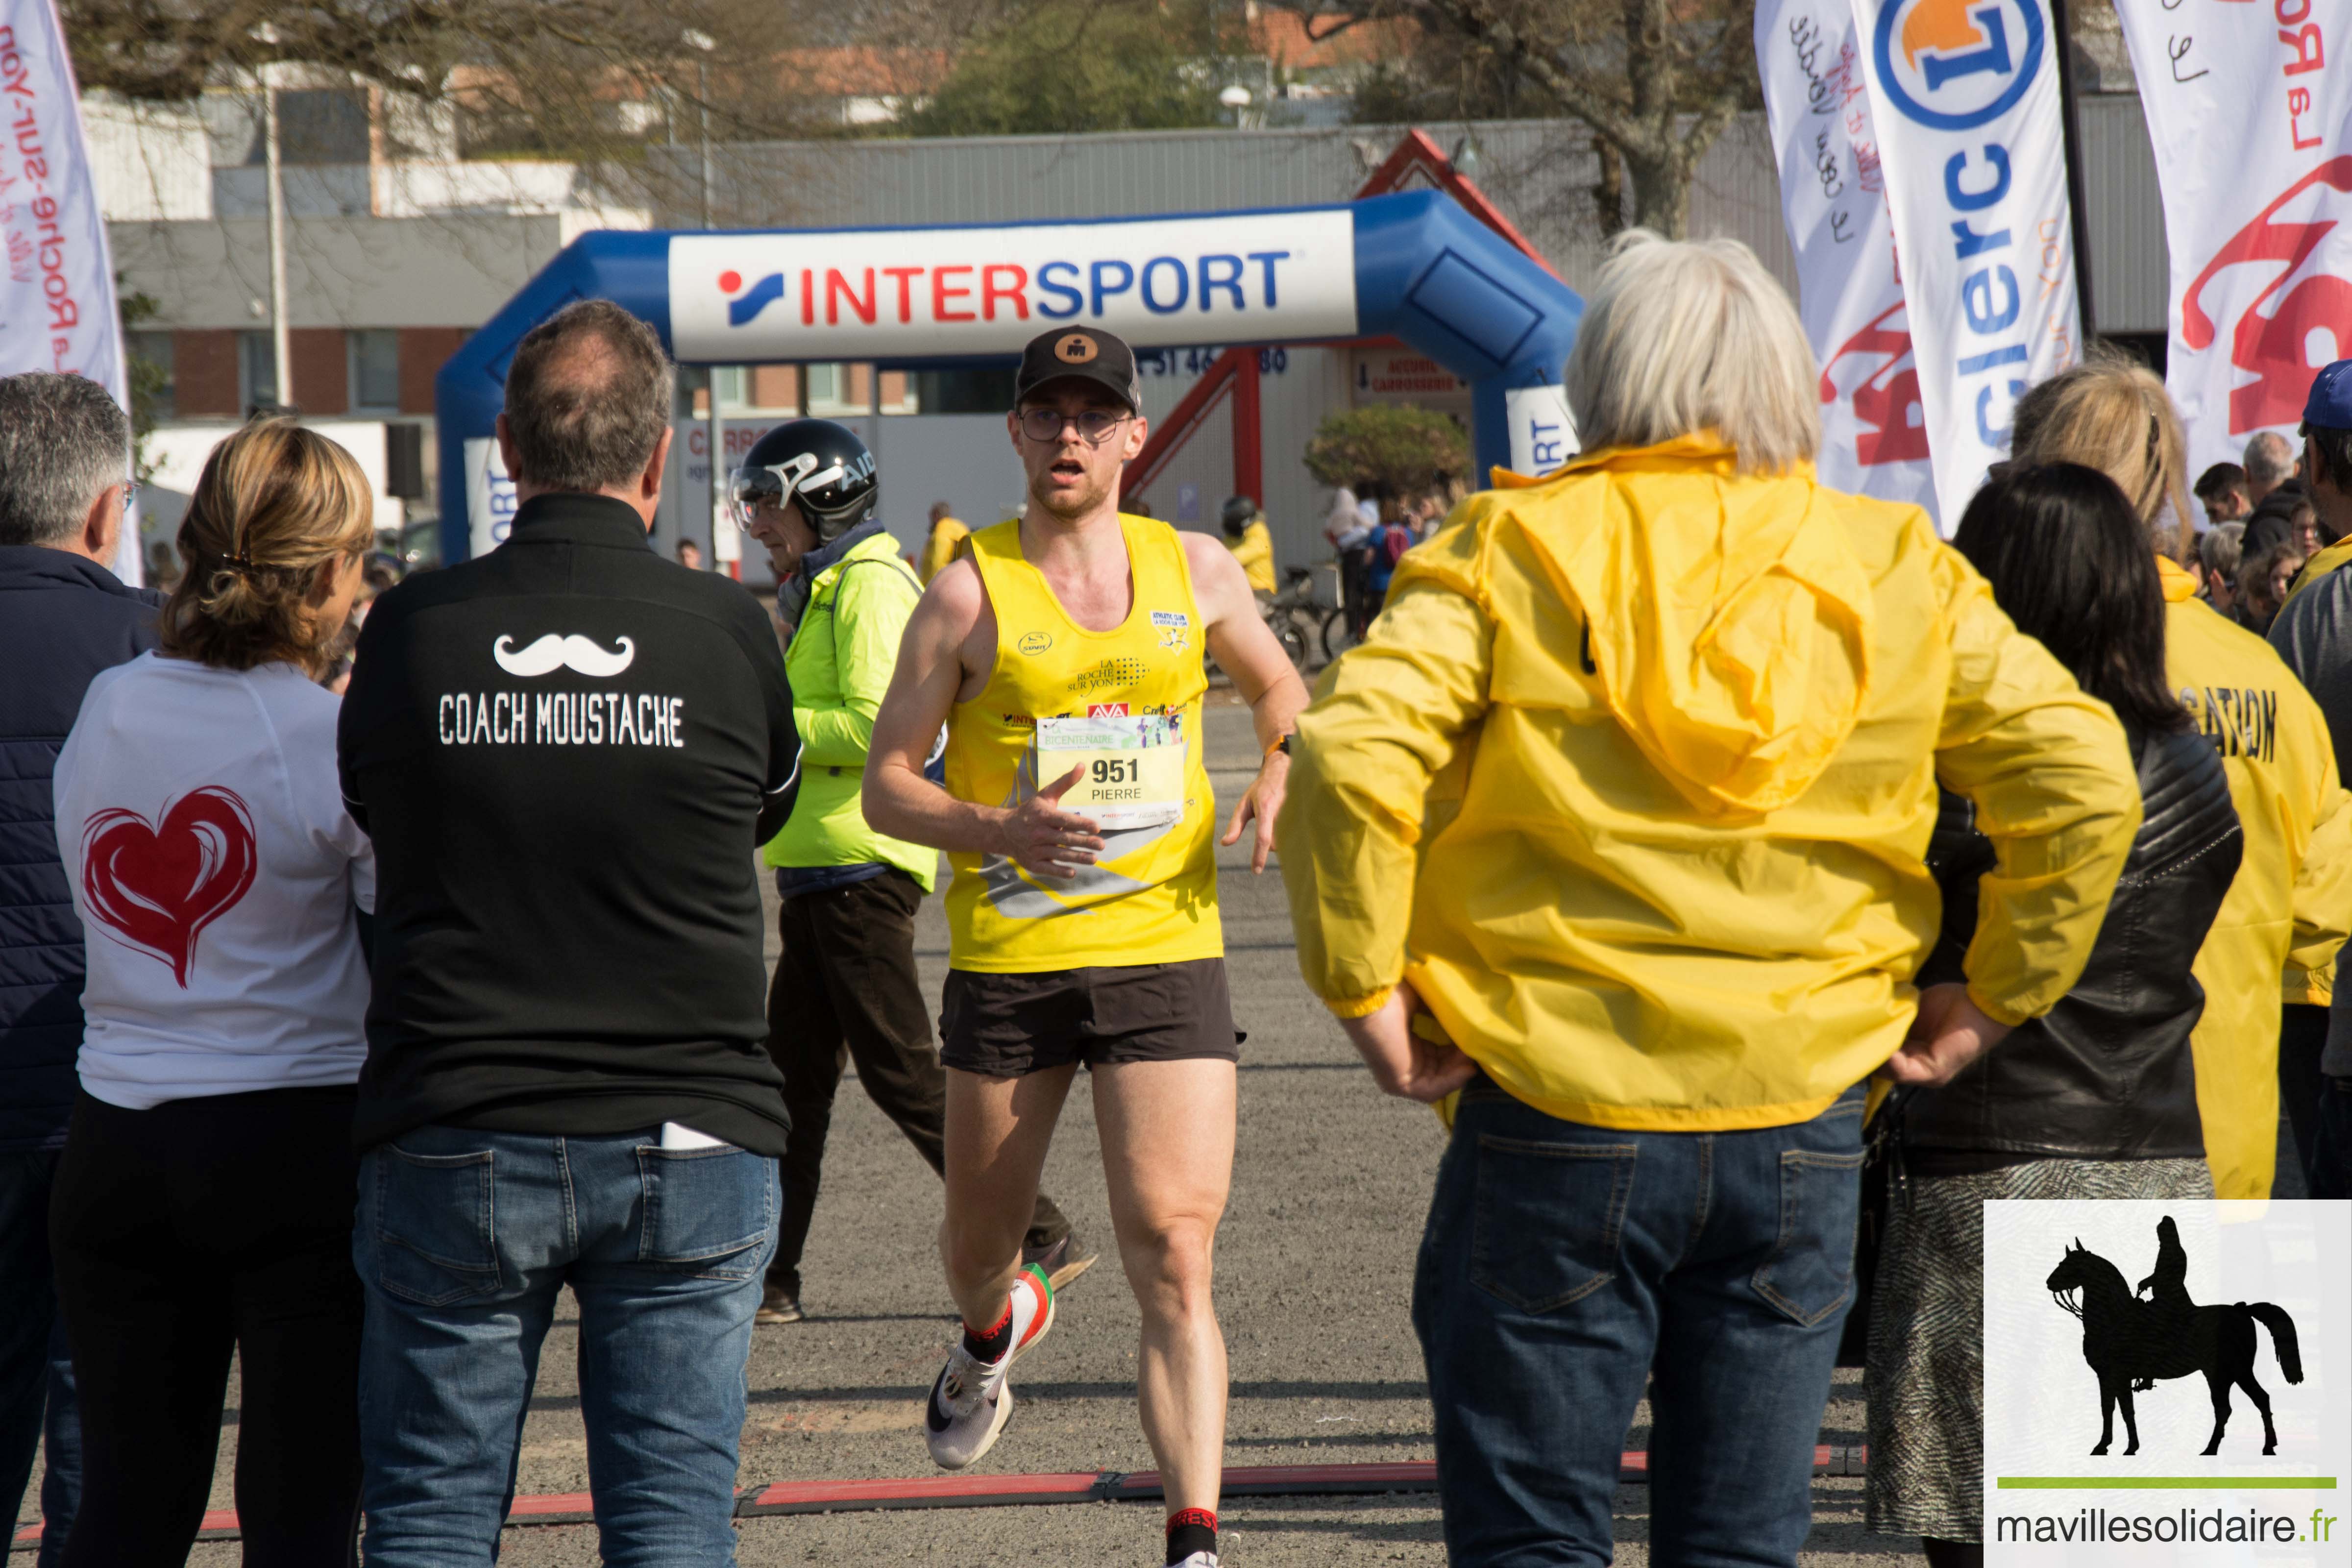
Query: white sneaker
x=972, y=1401
x=1199, y=1560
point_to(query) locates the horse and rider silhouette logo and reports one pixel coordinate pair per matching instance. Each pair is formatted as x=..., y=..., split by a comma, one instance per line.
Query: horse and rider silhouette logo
x=2132, y=1343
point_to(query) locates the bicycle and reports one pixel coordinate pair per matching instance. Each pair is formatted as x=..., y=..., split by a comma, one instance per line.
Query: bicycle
x=1302, y=626
x=1297, y=622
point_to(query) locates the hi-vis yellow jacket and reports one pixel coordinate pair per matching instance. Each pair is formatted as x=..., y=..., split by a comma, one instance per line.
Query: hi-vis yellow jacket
x=1633, y=779
x=2321, y=563
x=2276, y=936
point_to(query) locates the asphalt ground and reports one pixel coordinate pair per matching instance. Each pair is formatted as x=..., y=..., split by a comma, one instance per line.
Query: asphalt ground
x=1314, y=1262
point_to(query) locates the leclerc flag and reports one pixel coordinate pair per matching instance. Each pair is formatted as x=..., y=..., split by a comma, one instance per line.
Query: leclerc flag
x=1964, y=96
x=1833, y=193
x=2250, y=114
x=57, y=299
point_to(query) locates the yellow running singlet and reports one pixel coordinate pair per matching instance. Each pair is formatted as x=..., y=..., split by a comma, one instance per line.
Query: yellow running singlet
x=1152, y=896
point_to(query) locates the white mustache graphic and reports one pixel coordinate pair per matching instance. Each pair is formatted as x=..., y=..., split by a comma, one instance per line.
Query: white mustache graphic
x=552, y=652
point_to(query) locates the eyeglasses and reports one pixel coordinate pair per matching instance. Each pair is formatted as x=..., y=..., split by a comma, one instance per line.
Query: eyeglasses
x=1093, y=425
x=130, y=493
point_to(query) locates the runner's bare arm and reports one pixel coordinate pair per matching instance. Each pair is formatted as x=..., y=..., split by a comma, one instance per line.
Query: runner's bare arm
x=946, y=656
x=1247, y=651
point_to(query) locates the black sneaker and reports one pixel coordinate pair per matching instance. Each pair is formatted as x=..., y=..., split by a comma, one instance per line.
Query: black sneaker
x=1062, y=1262
x=778, y=1305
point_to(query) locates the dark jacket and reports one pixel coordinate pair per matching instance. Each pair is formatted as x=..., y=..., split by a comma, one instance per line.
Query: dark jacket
x=2313, y=635
x=2106, y=1074
x=63, y=619
x=567, y=752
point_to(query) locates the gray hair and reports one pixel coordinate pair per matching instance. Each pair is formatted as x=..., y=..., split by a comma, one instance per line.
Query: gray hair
x=63, y=440
x=588, y=397
x=2220, y=549
x=1681, y=336
x=2268, y=459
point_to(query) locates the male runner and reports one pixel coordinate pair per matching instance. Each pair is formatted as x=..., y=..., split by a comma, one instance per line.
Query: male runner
x=846, y=987
x=1064, y=650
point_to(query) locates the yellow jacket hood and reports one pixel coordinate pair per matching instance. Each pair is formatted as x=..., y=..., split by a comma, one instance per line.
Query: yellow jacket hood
x=1728, y=621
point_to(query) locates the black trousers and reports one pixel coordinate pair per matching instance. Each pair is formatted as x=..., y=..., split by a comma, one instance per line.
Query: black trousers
x=2303, y=1040
x=845, y=990
x=183, y=1234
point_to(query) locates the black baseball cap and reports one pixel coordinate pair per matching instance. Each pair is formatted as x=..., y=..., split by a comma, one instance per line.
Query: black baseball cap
x=1082, y=354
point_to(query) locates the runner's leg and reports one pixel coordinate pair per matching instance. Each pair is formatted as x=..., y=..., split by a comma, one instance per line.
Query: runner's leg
x=998, y=1129
x=867, y=933
x=1168, y=1152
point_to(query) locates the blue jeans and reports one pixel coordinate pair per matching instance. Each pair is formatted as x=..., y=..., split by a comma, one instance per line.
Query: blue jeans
x=2331, y=1142
x=1564, y=1265
x=464, y=1240
x=36, y=1385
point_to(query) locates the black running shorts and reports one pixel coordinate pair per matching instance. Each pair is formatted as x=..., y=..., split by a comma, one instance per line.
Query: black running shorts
x=1009, y=1025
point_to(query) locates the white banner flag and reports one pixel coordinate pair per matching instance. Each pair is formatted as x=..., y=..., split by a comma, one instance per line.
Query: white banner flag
x=1964, y=97
x=2251, y=122
x=1833, y=193
x=56, y=305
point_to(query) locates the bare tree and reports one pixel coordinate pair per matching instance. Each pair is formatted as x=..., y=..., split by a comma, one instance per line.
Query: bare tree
x=585, y=81
x=1656, y=81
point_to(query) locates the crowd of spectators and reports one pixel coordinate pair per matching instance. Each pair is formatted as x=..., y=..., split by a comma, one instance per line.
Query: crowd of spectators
x=2263, y=528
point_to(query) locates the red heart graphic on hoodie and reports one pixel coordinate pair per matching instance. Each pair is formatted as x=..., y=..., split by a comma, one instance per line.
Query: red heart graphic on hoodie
x=156, y=887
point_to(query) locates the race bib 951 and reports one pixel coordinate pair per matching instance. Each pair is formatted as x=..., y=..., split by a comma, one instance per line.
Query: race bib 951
x=1131, y=767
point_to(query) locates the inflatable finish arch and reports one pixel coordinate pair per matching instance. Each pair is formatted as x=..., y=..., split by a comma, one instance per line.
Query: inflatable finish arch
x=1412, y=264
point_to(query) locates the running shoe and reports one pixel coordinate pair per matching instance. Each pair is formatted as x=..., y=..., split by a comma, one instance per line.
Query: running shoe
x=972, y=1401
x=1062, y=1262
x=778, y=1305
x=1198, y=1559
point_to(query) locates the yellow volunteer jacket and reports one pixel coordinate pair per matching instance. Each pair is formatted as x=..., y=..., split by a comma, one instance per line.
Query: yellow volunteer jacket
x=1633, y=779
x=941, y=548
x=1254, y=551
x=2276, y=936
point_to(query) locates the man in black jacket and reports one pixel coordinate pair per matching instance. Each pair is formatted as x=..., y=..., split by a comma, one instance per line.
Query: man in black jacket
x=64, y=618
x=566, y=751
x=2313, y=635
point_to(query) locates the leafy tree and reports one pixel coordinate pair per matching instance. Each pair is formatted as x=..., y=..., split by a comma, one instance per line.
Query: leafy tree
x=1406, y=448
x=1063, y=66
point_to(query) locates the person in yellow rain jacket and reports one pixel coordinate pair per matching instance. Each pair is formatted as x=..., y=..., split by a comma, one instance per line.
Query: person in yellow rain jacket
x=2274, y=944
x=1616, y=823
x=948, y=534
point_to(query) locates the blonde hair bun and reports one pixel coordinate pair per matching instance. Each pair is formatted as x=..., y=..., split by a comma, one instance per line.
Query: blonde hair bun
x=275, y=502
